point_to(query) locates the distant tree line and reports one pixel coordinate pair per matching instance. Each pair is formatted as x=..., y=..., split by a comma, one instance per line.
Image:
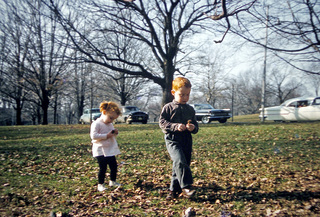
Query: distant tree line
x=59, y=57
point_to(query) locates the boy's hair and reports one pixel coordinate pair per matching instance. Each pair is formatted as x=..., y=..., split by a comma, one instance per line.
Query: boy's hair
x=110, y=107
x=179, y=82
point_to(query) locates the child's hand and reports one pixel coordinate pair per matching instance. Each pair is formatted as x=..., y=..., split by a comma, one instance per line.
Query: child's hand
x=190, y=127
x=181, y=127
x=115, y=131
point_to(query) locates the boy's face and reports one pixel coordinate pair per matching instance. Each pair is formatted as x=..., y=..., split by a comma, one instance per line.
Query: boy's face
x=181, y=95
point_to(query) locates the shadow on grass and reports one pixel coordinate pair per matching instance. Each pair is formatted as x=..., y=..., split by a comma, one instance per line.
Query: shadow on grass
x=212, y=192
x=251, y=195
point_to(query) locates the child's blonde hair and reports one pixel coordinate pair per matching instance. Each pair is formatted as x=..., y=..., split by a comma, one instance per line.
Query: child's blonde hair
x=179, y=82
x=110, y=107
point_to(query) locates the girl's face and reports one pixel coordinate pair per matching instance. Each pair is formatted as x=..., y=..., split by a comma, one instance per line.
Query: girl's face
x=181, y=95
x=109, y=117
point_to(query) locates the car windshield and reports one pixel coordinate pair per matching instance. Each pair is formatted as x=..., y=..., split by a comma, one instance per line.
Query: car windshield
x=299, y=103
x=303, y=103
x=131, y=109
x=95, y=111
x=284, y=103
x=203, y=106
x=316, y=101
x=293, y=104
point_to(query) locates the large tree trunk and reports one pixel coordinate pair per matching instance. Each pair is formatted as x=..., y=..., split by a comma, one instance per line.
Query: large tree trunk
x=18, y=113
x=39, y=114
x=167, y=84
x=45, y=106
x=167, y=96
x=55, y=109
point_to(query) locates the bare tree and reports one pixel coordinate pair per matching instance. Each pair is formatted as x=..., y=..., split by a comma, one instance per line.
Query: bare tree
x=282, y=86
x=210, y=78
x=293, y=31
x=248, y=93
x=78, y=84
x=313, y=81
x=14, y=50
x=124, y=87
x=34, y=58
x=157, y=27
x=46, y=55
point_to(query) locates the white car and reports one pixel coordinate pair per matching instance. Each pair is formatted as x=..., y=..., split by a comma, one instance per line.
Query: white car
x=297, y=109
x=85, y=118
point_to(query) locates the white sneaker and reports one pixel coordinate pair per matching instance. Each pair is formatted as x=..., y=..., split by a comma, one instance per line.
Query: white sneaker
x=114, y=184
x=101, y=187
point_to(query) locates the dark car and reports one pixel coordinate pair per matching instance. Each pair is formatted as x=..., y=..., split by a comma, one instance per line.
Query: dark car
x=132, y=114
x=206, y=113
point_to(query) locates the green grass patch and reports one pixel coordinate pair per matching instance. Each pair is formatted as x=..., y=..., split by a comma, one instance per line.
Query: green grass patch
x=243, y=168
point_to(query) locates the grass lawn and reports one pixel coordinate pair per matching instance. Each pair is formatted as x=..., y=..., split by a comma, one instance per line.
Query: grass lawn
x=243, y=168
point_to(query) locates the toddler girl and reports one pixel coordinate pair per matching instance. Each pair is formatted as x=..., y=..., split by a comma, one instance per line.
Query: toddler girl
x=104, y=143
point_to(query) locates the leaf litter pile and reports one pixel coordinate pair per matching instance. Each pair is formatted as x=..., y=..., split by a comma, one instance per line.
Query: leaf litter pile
x=269, y=169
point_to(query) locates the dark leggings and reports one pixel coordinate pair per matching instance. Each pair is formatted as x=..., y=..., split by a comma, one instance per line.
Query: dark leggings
x=103, y=162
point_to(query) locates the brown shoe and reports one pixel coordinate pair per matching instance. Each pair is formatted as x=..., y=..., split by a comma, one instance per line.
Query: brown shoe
x=188, y=193
x=172, y=195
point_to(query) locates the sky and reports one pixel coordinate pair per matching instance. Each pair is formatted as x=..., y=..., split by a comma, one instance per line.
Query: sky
x=247, y=57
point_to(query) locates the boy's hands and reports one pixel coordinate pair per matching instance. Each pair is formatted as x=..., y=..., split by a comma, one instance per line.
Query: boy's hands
x=189, y=126
x=182, y=127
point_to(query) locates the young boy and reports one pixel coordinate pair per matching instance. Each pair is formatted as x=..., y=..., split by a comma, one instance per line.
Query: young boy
x=177, y=121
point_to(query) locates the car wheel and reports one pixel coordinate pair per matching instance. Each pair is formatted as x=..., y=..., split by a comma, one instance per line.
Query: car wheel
x=144, y=122
x=222, y=121
x=205, y=119
x=81, y=122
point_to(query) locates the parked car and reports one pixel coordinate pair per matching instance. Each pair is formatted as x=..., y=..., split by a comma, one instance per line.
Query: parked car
x=206, y=113
x=132, y=114
x=296, y=109
x=85, y=118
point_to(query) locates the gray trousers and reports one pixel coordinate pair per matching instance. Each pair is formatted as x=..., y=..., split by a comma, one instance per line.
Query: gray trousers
x=179, y=148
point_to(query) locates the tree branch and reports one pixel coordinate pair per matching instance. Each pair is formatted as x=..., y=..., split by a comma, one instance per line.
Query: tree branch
x=226, y=15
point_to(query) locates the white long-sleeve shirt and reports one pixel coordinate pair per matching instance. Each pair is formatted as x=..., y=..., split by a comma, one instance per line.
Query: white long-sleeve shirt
x=101, y=145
